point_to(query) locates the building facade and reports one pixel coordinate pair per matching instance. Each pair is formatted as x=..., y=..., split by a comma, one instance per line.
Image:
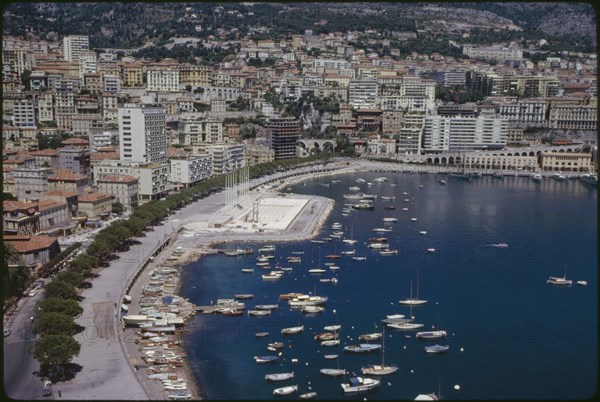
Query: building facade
x=283, y=136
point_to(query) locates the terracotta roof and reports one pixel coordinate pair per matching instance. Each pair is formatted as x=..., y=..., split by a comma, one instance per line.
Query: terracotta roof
x=117, y=179
x=93, y=197
x=48, y=203
x=66, y=175
x=27, y=244
x=45, y=152
x=62, y=193
x=74, y=141
x=18, y=205
x=100, y=156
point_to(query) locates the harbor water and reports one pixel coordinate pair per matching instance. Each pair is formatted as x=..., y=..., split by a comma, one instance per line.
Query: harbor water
x=511, y=336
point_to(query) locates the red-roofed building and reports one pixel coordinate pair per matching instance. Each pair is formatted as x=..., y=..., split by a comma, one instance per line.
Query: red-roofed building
x=55, y=217
x=34, y=251
x=66, y=180
x=95, y=205
x=122, y=188
x=67, y=196
x=20, y=217
x=76, y=142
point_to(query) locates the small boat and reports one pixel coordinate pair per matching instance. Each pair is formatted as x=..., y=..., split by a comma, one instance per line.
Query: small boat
x=388, y=252
x=442, y=182
x=324, y=336
x=333, y=256
x=318, y=241
x=332, y=372
x=536, y=177
x=292, y=330
x=390, y=219
x=285, y=390
x=276, y=345
x=279, y=377
x=243, y=296
x=431, y=250
x=247, y=270
x=423, y=232
x=437, y=349
x=259, y=312
x=289, y=296
x=558, y=177
x=582, y=283
x=332, y=342
x=359, y=384
x=266, y=306
x=413, y=219
x=389, y=207
x=378, y=245
x=271, y=276
x=180, y=394
x=308, y=395
x=312, y=309
x=382, y=230
x=431, y=334
x=265, y=359
x=377, y=240
x=317, y=271
x=261, y=334
x=332, y=327
x=385, y=197
x=362, y=348
x=359, y=258
x=330, y=357
x=405, y=326
x=349, y=252
x=370, y=337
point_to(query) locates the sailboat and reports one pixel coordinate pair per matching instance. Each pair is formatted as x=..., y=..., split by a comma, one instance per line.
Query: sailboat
x=351, y=240
x=380, y=369
x=334, y=372
x=433, y=396
x=413, y=301
x=560, y=281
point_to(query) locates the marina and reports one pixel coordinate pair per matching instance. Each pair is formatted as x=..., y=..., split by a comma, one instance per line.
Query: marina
x=356, y=308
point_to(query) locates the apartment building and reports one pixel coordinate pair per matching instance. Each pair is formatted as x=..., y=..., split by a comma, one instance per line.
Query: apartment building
x=362, y=93
x=283, y=135
x=195, y=129
x=30, y=183
x=153, y=178
x=23, y=112
x=160, y=78
x=525, y=112
x=189, y=170
x=142, y=136
x=33, y=251
x=573, y=117
x=74, y=46
x=492, y=53
x=411, y=131
x=122, y=188
x=442, y=134
x=225, y=158
x=20, y=218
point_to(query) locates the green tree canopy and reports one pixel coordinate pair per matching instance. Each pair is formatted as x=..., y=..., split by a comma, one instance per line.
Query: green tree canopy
x=55, y=350
x=61, y=290
x=52, y=323
x=56, y=305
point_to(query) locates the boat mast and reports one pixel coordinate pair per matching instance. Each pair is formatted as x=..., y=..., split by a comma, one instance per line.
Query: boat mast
x=417, y=284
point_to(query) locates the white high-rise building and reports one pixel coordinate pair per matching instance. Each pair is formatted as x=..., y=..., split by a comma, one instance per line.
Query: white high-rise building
x=142, y=136
x=74, y=46
x=458, y=133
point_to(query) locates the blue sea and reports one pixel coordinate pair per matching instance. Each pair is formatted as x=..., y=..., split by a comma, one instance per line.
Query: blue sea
x=511, y=335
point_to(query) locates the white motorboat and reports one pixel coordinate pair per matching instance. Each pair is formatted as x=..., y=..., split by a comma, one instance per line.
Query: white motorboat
x=290, y=389
x=332, y=327
x=331, y=342
x=330, y=357
x=362, y=348
x=308, y=395
x=436, y=349
x=279, y=376
x=359, y=384
x=332, y=372
x=582, y=283
x=431, y=334
x=292, y=330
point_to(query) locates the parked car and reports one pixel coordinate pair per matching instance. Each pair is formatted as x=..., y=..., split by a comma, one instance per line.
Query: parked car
x=6, y=332
x=32, y=293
